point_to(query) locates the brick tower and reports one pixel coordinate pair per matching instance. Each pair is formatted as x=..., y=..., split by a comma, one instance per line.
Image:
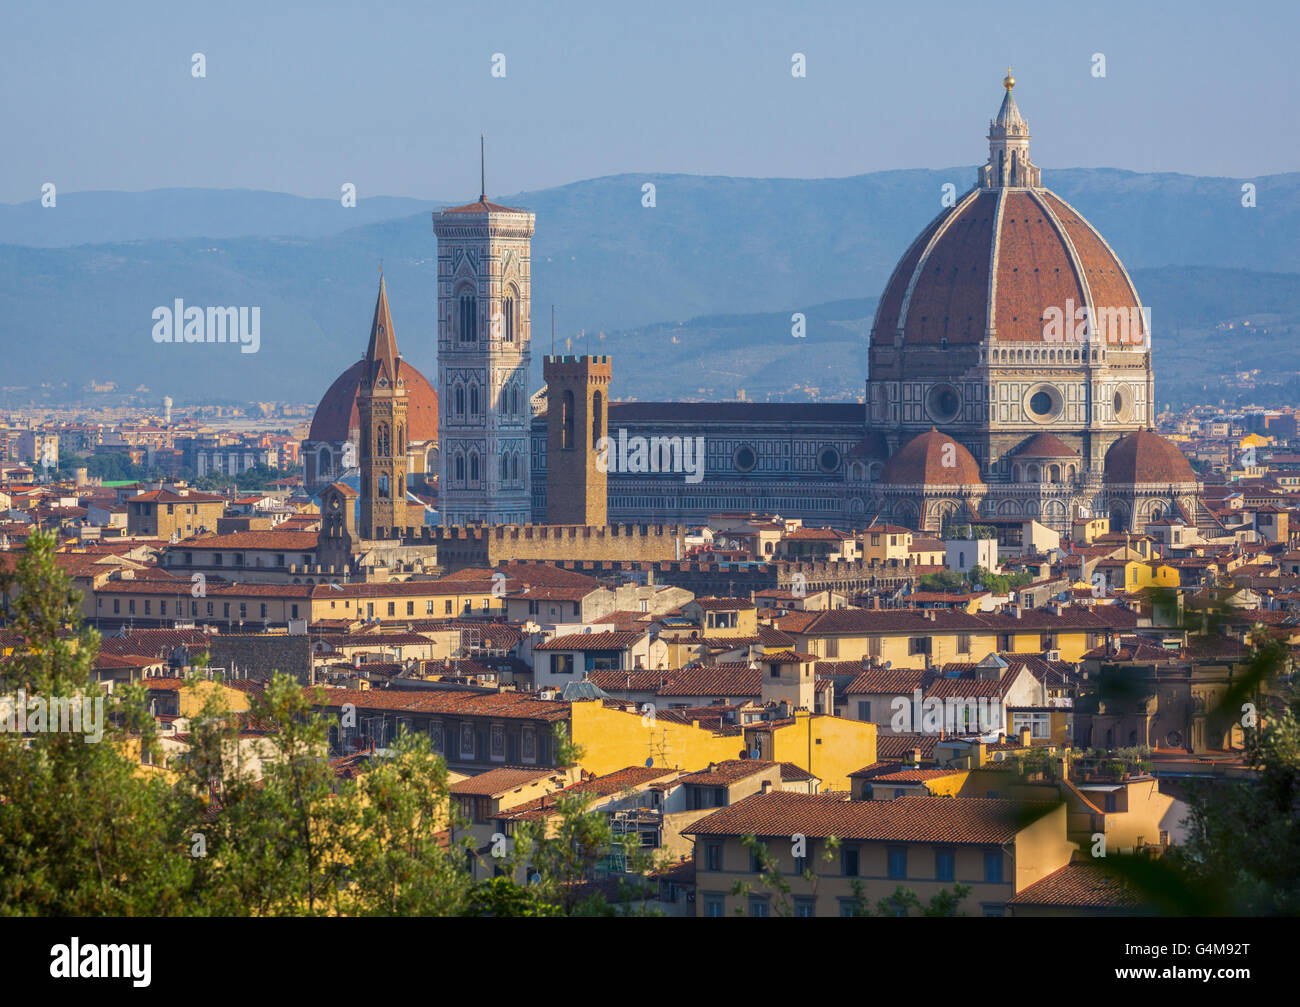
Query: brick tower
x=577, y=417
x=381, y=405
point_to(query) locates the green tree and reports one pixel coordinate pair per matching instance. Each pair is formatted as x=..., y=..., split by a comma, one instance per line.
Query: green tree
x=84, y=830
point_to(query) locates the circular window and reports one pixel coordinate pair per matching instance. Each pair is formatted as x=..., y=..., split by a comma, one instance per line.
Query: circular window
x=745, y=458
x=943, y=402
x=829, y=460
x=1123, y=403
x=1043, y=403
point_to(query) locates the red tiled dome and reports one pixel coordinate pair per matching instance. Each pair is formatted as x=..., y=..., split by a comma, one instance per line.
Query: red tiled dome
x=1007, y=252
x=1044, y=445
x=920, y=462
x=1146, y=457
x=1042, y=252
x=337, y=415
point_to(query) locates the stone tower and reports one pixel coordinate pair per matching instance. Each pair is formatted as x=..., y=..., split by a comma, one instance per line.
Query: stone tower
x=484, y=294
x=577, y=417
x=381, y=406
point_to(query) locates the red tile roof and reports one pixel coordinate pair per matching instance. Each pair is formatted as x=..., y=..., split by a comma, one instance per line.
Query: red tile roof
x=504, y=705
x=593, y=641
x=957, y=821
x=715, y=680
x=1078, y=886
x=499, y=780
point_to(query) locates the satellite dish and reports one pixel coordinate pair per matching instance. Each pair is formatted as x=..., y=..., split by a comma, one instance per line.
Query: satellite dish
x=649, y=762
x=888, y=665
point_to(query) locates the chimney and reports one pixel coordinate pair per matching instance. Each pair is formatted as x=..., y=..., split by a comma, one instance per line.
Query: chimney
x=914, y=756
x=767, y=786
x=1026, y=738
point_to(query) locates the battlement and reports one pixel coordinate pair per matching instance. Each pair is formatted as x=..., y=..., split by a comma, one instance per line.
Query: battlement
x=549, y=532
x=577, y=367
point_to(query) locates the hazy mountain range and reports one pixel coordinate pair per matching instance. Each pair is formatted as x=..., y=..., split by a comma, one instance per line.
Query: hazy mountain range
x=694, y=295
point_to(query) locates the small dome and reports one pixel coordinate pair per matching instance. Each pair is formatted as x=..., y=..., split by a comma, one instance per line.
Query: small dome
x=1146, y=457
x=927, y=460
x=1044, y=445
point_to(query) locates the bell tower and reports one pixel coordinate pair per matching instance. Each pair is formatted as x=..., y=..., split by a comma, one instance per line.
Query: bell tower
x=577, y=419
x=484, y=331
x=382, y=405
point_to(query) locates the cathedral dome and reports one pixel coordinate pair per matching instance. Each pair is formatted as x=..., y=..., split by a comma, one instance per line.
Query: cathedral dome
x=336, y=416
x=932, y=459
x=1005, y=259
x=1146, y=457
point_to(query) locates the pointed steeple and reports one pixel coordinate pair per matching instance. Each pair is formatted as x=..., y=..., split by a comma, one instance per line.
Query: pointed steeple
x=1009, y=164
x=382, y=358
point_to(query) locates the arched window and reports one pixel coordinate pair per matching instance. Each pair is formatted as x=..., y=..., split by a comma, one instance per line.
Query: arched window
x=325, y=463
x=596, y=432
x=473, y=469
x=1055, y=473
x=460, y=468
x=401, y=440
x=383, y=486
x=505, y=468
x=383, y=444
x=509, y=312
x=515, y=466
x=458, y=398
x=566, y=421
x=467, y=315
x=473, y=400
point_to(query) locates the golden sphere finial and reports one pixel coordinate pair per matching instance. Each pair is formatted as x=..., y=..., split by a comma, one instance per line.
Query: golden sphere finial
x=1008, y=81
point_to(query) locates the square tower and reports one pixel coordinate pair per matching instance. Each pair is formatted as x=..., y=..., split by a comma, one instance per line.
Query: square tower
x=484, y=297
x=577, y=422
x=382, y=409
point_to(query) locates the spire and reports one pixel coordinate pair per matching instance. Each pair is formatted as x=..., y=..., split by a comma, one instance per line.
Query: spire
x=382, y=358
x=482, y=172
x=1009, y=164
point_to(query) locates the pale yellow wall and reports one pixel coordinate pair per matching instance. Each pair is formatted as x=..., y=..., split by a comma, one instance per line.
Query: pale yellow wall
x=481, y=602
x=613, y=740
x=846, y=746
x=1037, y=851
x=1041, y=848
x=894, y=648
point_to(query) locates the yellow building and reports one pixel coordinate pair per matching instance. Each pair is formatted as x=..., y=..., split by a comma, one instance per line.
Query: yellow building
x=164, y=513
x=828, y=747
x=885, y=543
x=916, y=639
x=925, y=844
x=1133, y=575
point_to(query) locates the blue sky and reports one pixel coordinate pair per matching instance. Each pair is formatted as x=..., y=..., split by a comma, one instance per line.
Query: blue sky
x=302, y=97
